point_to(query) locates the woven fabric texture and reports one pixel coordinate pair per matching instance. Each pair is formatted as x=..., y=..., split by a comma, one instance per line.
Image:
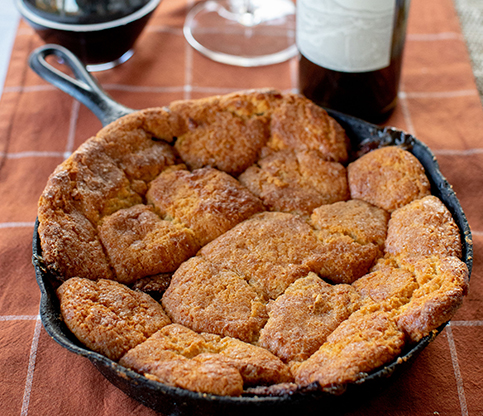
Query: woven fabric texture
x=470, y=13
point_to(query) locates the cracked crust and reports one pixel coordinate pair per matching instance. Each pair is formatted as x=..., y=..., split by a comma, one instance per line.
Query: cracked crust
x=139, y=243
x=422, y=292
x=361, y=343
x=296, y=182
x=107, y=173
x=298, y=124
x=204, y=362
x=301, y=319
x=206, y=200
x=70, y=245
x=443, y=283
x=108, y=317
x=364, y=222
x=270, y=251
x=353, y=233
x=206, y=298
x=224, y=132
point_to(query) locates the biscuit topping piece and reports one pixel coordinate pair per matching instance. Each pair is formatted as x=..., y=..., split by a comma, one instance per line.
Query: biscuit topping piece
x=363, y=342
x=130, y=143
x=270, y=251
x=299, y=124
x=224, y=132
x=388, y=177
x=421, y=292
x=141, y=244
x=301, y=319
x=205, y=363
x=353, y=235
x=108, y=317
x=443, y=282
x=208, y=201
x=296, y=182
x=206, y=298
x=71, y=246
x=423, y=227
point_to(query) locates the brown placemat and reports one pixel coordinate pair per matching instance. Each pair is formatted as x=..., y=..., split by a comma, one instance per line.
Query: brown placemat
x=40, y=126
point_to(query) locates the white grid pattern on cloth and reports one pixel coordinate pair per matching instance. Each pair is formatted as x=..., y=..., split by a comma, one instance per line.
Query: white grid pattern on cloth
x=31, y=368
x=456, y=369
x=187, y=89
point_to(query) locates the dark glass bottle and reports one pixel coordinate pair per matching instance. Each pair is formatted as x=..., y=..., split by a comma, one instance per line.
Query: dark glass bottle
x=367, y=94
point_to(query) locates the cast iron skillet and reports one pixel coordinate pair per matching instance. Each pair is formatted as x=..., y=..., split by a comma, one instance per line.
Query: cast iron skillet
x=175, y=401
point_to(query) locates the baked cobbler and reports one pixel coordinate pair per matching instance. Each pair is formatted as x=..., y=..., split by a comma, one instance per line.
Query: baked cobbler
x=274, y=260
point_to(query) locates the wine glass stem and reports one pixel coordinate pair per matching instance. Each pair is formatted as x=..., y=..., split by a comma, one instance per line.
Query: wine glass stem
x=248, y=7
x=242, y=7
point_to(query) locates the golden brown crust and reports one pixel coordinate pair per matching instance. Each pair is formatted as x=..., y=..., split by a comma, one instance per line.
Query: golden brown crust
x=254, y=118
x=388, y=287
x=443, y=283
x=388, y=177
x=256, y=365
x=134, y=143
x=90, y=182
x=360, y=344
x=301, y=319
x=204, y=362
x=97, y=180
x=296, y=182
x=207, y=299
x=342, y=259
x=270, y=251
x=139, y=243
x=225, y=132
x=423, y=292
x=423, y=227
x=299, y=124
x=206, y=200
x=179, y=357
x=352, y=234
x=71, y=246
x=108, y=317
x=364, y=222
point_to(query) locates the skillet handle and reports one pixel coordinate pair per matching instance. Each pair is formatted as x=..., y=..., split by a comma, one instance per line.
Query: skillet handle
x=83, y=87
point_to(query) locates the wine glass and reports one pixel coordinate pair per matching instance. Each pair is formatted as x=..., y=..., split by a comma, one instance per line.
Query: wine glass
x=243, y=32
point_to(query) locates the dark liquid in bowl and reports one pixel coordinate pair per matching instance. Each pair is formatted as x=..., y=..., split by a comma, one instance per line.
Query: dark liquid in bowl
x=99, y=46
x=96, y=31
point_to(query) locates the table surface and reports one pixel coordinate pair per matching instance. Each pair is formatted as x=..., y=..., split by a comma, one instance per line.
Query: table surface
x=40, y=126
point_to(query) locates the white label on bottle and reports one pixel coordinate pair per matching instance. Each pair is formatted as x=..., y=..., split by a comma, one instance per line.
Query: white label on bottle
x=346, y=35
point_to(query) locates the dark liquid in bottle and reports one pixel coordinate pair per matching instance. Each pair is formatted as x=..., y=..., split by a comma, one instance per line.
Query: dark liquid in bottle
x=371, y=95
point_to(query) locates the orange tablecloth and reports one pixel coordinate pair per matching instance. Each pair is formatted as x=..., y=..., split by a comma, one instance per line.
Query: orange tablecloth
x=40, y=125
